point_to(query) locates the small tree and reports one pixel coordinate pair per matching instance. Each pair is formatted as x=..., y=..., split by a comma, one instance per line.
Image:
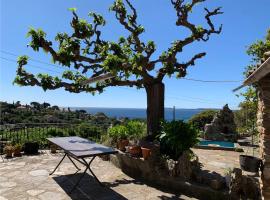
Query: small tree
x=129, y=59
x=35, y=105
x=201, y=119
x=46, y=105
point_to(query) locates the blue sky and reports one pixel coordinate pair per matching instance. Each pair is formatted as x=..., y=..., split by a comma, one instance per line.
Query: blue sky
x=243, y=23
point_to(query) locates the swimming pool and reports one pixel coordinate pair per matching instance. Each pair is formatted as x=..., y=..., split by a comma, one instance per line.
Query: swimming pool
x=216, y=143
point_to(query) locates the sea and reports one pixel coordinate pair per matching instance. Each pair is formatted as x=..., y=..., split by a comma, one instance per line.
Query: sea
x=140, y=113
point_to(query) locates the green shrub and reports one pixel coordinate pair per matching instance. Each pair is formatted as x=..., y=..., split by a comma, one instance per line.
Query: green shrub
x=118, y=132
x=131, y=130
x=136, y=129
x=71, y=132
x=55, y=133
x=177, y=137
x=201, y=119
x=89, y=131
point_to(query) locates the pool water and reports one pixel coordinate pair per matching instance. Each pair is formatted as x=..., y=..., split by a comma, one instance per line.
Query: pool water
x=216, y=143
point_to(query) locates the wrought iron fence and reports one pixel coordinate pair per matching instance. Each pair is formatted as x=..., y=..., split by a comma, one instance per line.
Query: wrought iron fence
x=21, y=133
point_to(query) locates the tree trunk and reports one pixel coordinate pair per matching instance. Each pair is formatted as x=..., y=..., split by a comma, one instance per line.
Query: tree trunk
x=155, y=108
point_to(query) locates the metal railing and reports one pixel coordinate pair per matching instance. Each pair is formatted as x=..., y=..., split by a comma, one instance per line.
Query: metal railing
x=21, y=133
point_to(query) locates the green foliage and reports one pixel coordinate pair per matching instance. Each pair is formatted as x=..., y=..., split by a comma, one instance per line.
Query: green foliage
x=22, y=60
x=133, y=130
x=55, y=133
x=257, y=49
x=131, y=60
x=118, y=132
x=136, y=129
x=89, y=131
x=72, y=9
x=246, y=116
x=201, y=119
x=177, y=137
x=37, y=36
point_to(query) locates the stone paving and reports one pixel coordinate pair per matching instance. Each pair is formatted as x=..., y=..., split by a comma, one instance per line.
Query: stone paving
x=219, y=160
x=27, y=178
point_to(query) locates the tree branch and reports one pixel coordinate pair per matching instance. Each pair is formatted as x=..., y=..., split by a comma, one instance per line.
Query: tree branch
x=168, y=58
x=48, y=82
x=180, y=67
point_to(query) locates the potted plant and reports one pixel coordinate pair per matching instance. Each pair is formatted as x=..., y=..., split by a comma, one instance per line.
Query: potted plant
x=250, y=163
x=122, y=143
x=17, y=150
x=146, y=152
x=8, y=150
x=53, y=148
x=119, y=134
x=177, y=137
x=31, y=148
x=135, y=150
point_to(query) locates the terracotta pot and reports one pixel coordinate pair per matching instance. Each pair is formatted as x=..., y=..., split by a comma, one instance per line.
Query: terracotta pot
x=146, y=152
x=17, y=152
x=135, y=150
x=121, y=145
x=9, y=153
x=53, y=148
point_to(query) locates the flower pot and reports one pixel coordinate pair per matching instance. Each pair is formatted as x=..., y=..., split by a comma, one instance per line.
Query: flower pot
x=121, y=145
x=146, y=152
x=134, y=150
x=53, y=148
x=249, y=163
x=31, y=148
x=9, y=153
x=17, y=152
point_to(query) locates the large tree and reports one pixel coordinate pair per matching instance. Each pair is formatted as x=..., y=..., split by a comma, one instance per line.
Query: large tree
x=130, y=59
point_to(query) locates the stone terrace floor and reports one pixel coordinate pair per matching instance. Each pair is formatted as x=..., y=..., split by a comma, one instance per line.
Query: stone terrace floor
x=28, y=178
x=219, y=161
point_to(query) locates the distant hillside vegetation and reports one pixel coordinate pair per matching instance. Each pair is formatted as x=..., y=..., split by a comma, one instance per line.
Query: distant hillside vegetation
x=13, y=113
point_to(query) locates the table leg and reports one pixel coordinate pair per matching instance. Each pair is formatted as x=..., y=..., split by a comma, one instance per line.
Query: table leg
x=77, y=183
x=88, y=166
x=73, y=162
x=58, y=164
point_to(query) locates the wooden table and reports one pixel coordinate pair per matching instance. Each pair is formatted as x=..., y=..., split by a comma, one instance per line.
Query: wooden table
x=79, y=149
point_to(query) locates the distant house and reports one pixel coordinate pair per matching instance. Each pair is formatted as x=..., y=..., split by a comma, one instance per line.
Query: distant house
x=22, y=107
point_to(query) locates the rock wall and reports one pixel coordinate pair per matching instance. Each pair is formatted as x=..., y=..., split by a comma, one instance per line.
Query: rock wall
x=263, y=122
x=167, y=176
x=222, y=127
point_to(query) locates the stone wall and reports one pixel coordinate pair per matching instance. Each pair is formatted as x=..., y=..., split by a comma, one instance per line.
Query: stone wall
x=159, y=174
x=263, y=122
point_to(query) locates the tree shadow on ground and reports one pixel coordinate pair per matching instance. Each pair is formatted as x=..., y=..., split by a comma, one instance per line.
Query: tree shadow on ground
x=88, y=188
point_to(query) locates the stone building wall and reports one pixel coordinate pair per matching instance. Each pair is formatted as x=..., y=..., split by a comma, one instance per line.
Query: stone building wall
x=263, y=123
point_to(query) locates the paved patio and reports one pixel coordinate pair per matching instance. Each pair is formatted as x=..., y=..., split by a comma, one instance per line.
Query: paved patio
x=219, y=161
x=28, y=178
